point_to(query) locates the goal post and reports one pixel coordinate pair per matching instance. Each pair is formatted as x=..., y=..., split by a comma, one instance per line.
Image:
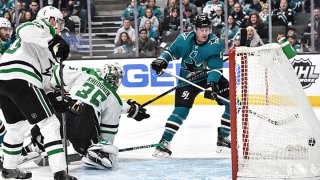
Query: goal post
x=274, y=131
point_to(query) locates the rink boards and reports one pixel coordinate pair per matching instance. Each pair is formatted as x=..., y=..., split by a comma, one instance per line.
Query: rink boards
x=141, y=82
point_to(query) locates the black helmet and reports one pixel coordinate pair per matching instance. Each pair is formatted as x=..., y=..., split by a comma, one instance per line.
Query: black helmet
x=201, y=21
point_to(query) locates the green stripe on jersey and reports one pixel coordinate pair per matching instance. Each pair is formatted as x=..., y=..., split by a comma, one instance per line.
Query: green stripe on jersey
x=55, y=73
x=12, y=152
x=51, y=29
x=42, y=101
x=20, y=70
x=55, y=151
x=22, y=26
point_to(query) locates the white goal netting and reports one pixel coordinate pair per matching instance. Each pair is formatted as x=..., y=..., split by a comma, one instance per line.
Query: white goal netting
x=278, y=134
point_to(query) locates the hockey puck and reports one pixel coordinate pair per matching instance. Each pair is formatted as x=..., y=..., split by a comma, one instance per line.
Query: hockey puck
x=312, y=142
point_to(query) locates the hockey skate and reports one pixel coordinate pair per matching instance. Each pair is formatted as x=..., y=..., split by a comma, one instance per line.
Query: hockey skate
x=223, y=144
x=63, y=175
x=163, y=151
x=16, y=174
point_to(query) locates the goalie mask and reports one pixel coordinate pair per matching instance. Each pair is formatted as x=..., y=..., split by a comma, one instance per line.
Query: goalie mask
x=113, y=74
x=49, y=12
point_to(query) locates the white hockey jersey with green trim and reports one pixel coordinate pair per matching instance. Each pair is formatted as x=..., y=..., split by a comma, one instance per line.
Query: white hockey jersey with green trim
x=85, y=85
x=29, y=58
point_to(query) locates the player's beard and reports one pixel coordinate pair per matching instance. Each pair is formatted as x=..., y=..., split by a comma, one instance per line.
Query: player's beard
x=4, y=37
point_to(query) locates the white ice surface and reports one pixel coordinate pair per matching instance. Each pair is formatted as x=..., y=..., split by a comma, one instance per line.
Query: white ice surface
x=193, y=148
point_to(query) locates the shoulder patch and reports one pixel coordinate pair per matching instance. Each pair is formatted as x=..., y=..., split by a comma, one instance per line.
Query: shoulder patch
x=214, y=41
x=185, y=35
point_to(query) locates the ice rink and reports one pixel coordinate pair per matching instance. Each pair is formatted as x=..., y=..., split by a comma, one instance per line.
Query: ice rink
x=193, y=148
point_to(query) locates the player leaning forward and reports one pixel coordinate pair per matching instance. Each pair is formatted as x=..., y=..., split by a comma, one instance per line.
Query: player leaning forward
x=25, y=69
x=200, y=50
x=93, y=112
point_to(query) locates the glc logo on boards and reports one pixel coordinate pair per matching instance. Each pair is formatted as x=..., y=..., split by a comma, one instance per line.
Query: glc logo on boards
x=305, y=72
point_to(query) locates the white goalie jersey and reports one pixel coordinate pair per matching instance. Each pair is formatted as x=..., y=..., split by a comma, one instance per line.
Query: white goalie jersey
x=85, y=85
x=29, y=58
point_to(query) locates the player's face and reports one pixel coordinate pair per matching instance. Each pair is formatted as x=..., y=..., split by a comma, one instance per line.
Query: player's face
x=5, y=33
x=203, y=34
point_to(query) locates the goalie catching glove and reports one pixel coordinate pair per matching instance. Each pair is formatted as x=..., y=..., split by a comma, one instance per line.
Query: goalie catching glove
x=63, y=47
x=136, y=111
x=159, y=64
x=212, y=92
x=102, y=156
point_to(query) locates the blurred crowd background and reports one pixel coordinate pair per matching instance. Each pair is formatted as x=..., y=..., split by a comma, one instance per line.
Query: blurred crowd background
x=120, y=29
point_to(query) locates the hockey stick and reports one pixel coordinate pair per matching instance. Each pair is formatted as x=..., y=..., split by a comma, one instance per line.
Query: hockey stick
x=227, y=101
x=140, y=147
x=64, y=117
x=196, y=75
x=77, y=157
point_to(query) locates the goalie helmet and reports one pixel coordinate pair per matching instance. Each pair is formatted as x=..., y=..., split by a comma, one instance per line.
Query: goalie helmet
x=48, y=12
x=201, y=21
x=113, y=74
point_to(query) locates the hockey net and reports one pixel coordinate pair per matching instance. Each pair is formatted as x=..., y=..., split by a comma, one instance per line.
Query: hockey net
x=275, y=133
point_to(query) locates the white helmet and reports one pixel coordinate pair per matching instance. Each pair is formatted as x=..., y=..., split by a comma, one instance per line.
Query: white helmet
x=5, y=23
x=48, y=12
x=113, y=74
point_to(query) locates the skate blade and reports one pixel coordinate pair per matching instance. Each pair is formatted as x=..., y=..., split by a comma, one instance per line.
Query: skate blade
x=161, y=155
x=222, y=149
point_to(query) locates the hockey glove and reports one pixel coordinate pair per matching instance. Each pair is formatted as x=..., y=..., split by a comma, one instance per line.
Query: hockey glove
x=213, y=92
x=136, y=111
x=59, y=104
x=159, y=64
x=63, y=47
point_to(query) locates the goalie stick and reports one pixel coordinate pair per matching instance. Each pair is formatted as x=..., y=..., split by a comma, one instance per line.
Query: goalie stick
x=77, y=157
x=281, y=122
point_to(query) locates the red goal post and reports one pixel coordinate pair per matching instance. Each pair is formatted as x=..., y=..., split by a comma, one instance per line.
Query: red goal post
x=274, y=131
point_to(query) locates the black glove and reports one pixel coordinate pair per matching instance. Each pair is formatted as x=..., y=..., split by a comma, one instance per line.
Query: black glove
x=63, y=47
x=159, y=64
x=136, y=111
x=60, y=104
x=213, y=93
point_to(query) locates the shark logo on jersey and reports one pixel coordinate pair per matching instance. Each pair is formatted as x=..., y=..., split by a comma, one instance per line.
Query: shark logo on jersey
x=214, y=41
x=191, y=67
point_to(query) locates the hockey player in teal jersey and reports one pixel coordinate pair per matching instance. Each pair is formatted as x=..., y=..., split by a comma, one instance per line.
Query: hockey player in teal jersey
x=200, y=50
x=5, y=35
